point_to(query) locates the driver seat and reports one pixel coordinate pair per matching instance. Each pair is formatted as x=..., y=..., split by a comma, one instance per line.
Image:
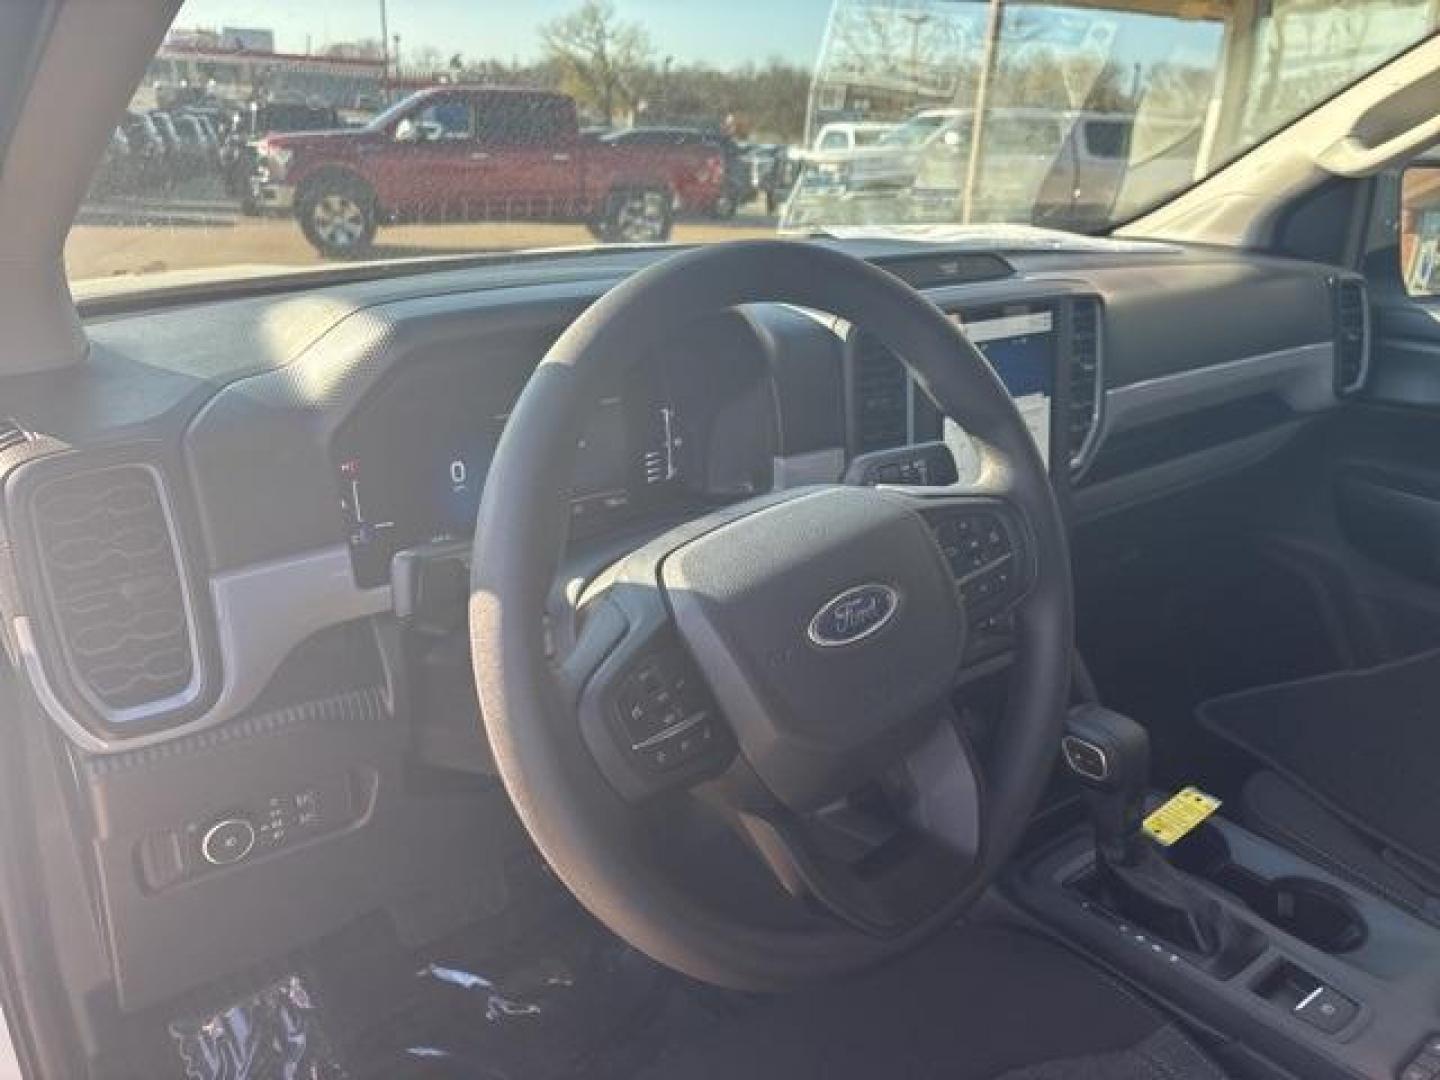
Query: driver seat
x=975, y=1003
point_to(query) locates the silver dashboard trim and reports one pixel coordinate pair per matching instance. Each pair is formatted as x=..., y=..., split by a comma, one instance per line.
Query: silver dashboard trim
x=262, y=613
x=1303, y=376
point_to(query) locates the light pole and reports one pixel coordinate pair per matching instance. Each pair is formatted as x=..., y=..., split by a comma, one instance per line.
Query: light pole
x=916, y=19
x=384, y=54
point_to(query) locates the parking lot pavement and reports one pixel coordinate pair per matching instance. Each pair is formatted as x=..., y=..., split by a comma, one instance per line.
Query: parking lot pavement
x=110, y=241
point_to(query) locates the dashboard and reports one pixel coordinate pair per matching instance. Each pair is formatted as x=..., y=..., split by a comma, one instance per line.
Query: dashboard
x=410, y=463
x=254, y=473
x=301, y=474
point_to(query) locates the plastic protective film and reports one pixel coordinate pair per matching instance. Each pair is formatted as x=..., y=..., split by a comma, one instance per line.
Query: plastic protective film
x=275, y=1034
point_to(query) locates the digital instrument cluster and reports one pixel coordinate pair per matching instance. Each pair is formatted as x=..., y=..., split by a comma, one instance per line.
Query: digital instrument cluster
x=411, y=465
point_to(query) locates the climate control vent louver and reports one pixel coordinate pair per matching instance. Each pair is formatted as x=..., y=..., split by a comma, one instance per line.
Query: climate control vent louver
x=1351, y=344
x=881, y=397
x=1085, y=383
x=12, y=435
x=114, y=586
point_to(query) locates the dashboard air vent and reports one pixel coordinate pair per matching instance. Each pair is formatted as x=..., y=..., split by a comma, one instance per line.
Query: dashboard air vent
x=1351, y=346
x=114, y=584
x=12, y=435
x=881, y=400
x=1084, y=378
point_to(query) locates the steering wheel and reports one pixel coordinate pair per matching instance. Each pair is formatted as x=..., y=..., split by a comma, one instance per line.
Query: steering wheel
x=788, y=664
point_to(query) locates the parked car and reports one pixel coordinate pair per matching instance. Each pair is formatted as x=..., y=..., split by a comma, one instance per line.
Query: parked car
x=850, y=135
x=773, y=168
x=186, y=154
x=209, y=121
x=198, y=152
x=1067, y=168
x=706, y=168
x=149, y=153
x=1058, y=168
x=462, y=153
x=115, y=172
x=258, y=119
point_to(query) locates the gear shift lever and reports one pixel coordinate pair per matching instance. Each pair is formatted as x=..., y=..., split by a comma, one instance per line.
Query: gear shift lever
x=1109, y=754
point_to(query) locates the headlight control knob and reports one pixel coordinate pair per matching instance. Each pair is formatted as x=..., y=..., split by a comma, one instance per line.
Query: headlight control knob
x=227, y=841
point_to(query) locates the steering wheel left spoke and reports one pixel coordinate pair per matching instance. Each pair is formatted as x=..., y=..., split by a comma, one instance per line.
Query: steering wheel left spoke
x=645, y=713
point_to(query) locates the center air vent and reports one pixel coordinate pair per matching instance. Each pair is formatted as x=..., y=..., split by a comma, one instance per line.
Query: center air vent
x=1085, y=382
x=881, y=397
x=114, y=584
x=11, y=435
x=1351, y=346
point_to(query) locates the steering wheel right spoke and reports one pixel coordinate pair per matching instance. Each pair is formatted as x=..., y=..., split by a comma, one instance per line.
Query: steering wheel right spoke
x=986, y=543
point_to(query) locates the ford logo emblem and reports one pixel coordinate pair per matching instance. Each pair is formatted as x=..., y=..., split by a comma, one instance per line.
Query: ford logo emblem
x=854, y=615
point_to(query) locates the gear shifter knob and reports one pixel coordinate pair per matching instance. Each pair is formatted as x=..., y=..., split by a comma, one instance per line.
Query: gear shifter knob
x=1109, y=754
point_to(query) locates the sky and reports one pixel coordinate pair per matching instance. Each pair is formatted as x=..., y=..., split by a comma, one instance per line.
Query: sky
x=723, y=33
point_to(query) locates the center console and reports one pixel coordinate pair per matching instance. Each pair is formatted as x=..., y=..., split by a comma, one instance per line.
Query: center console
x=1244, y=936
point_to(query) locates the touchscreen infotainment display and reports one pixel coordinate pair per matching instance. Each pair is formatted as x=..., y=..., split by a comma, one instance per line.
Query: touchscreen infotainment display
x=1020, y=343
x=1021, y=349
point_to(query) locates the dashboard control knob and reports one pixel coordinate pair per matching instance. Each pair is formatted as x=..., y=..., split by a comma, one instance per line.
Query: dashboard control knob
x=227, y=841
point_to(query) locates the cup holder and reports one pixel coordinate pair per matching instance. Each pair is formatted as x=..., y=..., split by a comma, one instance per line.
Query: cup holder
x=1316, y=913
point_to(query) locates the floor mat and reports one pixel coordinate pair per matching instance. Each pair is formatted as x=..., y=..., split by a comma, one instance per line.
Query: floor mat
x=1364, y=743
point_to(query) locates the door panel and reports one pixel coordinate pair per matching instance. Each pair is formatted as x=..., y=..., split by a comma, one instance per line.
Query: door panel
x=444, y=172
x=533, y=156
x=1380, y=486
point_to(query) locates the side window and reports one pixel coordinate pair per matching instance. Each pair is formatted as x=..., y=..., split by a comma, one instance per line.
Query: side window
x=446, y=121
x=1108, y=139
x=546, y=122
x=523, y=121
x=1021, y=137
x=833, y=140
x=1420, y=229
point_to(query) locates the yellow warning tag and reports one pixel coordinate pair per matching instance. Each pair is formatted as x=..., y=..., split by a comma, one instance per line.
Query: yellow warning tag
x=1180, y=813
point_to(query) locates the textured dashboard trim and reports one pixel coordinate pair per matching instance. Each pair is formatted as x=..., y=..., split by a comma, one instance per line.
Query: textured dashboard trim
x=366, y=704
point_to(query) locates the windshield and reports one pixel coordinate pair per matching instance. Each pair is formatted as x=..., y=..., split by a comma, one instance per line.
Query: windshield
x=268, y=135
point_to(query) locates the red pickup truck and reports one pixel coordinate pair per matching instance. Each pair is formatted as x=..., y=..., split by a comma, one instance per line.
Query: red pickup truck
x=472, y=153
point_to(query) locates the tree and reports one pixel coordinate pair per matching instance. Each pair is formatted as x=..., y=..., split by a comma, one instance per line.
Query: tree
x=602, y=59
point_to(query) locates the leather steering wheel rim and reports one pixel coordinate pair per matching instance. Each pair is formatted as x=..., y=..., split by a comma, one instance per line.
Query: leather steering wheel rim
x=586, y=832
